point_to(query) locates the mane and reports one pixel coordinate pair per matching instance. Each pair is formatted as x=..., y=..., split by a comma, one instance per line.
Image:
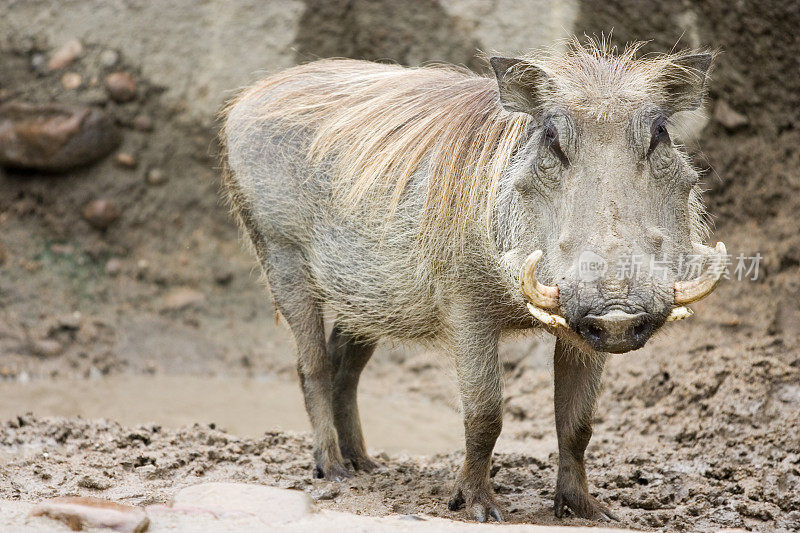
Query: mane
x=595, y=79
x=380, y=123
x=377, y=124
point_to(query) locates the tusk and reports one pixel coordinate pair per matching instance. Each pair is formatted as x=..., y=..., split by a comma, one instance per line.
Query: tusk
x=539, y=295
x=546, y=318
x=679, y=313
x=557, y=325
x=696, y=289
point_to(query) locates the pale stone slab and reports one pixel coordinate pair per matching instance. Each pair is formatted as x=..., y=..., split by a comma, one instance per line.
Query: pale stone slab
x=270, y=504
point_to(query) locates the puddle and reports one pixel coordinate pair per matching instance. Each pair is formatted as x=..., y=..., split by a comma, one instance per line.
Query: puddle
x=245, y=407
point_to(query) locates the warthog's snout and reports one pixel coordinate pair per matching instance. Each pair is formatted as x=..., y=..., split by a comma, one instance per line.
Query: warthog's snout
x=616, y=331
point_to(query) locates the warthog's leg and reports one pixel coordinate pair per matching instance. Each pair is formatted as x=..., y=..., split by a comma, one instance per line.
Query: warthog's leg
x=292, y=290
x=348, y=357
x=481, y=387
x=577, y=384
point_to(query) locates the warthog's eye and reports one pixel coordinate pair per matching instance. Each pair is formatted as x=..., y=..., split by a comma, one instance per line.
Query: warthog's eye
x=658, y=134
x=551, y=140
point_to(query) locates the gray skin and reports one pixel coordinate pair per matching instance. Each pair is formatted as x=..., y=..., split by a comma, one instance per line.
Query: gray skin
x=575, y=185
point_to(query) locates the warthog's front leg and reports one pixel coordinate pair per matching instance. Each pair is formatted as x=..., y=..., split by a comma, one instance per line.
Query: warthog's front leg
x=577, y=384
x=481, y=388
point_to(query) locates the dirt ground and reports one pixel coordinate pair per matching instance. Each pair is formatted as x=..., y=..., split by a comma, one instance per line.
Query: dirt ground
x=697, y=431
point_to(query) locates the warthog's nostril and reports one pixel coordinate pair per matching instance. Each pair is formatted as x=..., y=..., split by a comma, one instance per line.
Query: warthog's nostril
x=641, y=329
x=593, y=331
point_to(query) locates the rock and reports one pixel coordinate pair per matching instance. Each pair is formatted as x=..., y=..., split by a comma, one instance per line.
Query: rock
x=728, y=117
x=125, y=160
x=328, y=492
x=38, y=62
x=142, y=123
x=88, y=512
x=272, y=505
x=62, y=249
x=69, y=322
x=94, y=482
x=46, y=348
x=54, y=137
x=100, y=214
x=113, y=267
x=71, y=80
x=156, y=176
x=182, y=298
x=69, y=52
x=120, y=87
x=109, y=58
x=223, y=277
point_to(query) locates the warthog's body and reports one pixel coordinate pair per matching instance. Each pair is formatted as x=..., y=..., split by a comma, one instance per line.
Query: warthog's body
x=397, y=198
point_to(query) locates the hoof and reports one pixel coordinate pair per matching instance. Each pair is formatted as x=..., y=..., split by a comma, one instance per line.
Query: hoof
x=364, y=463
x=334, y=472
x=480, y=504
x=582, y=505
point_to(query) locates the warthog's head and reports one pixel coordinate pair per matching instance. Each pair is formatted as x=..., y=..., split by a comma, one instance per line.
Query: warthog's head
x=610, y=204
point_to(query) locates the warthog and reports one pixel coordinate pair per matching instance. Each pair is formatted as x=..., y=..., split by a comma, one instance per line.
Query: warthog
x=433, y=204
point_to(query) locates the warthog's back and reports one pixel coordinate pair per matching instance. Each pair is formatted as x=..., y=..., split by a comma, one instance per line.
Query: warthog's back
x=347, y=179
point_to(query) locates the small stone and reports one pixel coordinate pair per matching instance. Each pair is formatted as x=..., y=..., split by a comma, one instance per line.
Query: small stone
x=728, y=117
x=62, y=249
x=70, y=321
x=223, y=277
x=125, y=160
x=46, y=348
x=69, y=52
x=94, y=373
x=94, y=482
x=120, y=87
x=113, y=267
x=88, y=512
x=31, y=266
x=100, y=214
x=142, y=123
x=38, y=62
x=328, y=492
x=182, y=298
x=272, y=505
x=109, y=58
x=71, y=80
x=156, y=176
x=54, y=137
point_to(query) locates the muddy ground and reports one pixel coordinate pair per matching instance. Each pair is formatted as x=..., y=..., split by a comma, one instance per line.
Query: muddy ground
x=699, y=430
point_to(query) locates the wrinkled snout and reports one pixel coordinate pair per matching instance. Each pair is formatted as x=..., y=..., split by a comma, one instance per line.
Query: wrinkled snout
x=616, y=331
x=610, y=314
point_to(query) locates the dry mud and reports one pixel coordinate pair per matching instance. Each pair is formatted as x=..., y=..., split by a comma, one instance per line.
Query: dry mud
x=699, y=430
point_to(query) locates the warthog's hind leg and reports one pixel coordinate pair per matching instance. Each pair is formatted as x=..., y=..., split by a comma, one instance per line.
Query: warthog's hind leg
x=349, y=356
x=577, y=384
x=291, y=288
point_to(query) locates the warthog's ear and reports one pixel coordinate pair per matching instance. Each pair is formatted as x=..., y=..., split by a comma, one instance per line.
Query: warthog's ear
x=520, y=83
x=685, y=81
